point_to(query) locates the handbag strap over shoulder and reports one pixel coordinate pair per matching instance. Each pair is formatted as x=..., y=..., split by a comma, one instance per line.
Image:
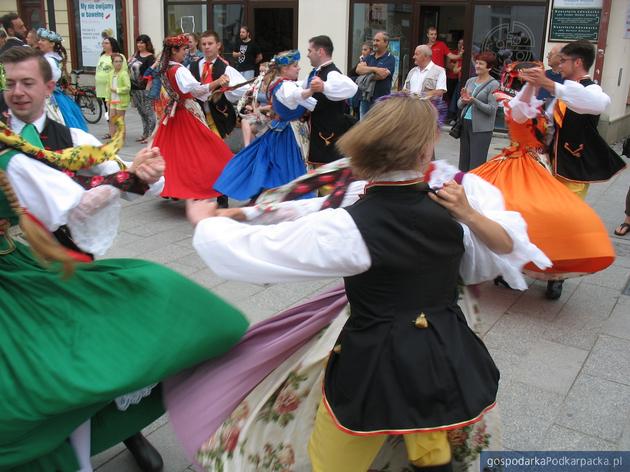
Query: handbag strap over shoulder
x=474, y=95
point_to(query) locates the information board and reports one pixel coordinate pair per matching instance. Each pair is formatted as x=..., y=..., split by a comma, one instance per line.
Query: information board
x=570, y=24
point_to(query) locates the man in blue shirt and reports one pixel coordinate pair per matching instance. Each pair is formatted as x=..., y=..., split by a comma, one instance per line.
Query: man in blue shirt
x=553, y=61
x=380, y=63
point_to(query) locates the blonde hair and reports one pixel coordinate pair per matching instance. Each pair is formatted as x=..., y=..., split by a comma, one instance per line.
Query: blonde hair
x=44, y=247
x=398, y=133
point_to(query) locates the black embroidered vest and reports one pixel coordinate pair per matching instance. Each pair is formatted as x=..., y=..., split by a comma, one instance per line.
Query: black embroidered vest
x=222, y=111
x=406, y=359
x=328, y=123
x=579, y=153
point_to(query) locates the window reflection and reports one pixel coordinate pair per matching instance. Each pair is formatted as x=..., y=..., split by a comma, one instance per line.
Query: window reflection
x=226, y=21
x=513, y=33
x=186, y=18
x=370, y=18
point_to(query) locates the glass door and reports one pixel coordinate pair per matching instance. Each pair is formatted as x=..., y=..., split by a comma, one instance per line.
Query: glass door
x=513, y=32
x=274, y=27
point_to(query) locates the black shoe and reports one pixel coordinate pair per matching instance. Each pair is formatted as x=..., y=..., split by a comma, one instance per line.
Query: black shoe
x=554, y=289
x=222, y=201
x=501, y=281
x=146, y=456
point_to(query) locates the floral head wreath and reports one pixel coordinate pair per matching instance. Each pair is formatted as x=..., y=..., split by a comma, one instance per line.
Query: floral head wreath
x=286, y=58
x=177, y=41
x=49, y=35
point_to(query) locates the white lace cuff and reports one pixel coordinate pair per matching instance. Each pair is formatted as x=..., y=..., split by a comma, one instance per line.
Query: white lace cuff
x=94, y=221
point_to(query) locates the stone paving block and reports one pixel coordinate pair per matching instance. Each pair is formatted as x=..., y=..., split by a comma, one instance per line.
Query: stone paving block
x=619, y=322
x=551, y=366
x=591, y=300
x=522, y=431
x=614, y=277
x=596, y=407
x=183, y=269
x=207, y=278
x=169, y=253
x=235, y=291
x=161, y=241
x=516, y=396
x=254, y=312
x=507, y=363
x=534, y=304
x=493, y=303
x=575, y=329
x=515, y=333
x=193, y=259
x=100, y=460
x=610, y=360
x=558, y=438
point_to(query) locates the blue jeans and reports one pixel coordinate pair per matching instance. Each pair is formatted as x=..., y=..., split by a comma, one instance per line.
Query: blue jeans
x=364, y=107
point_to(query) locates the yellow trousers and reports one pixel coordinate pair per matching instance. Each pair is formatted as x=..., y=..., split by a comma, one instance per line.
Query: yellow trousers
x=580, y=189
x=211, y=124
x=332, y=450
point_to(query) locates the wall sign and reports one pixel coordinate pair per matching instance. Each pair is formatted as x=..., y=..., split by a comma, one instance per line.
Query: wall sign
x=95, y=16
x=575, y=19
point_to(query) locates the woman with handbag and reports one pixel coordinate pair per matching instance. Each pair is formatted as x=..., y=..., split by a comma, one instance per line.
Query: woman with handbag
x=478, y=112
x=138, y=65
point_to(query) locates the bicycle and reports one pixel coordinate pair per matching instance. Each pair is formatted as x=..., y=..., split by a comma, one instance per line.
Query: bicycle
x=85, y=96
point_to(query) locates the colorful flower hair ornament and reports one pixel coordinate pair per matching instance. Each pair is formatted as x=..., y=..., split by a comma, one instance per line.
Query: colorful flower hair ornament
x=511, y=82
x=176, y=41
x=49, y=35
x=286, y=58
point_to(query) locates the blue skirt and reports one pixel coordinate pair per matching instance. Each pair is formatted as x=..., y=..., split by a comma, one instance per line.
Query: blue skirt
x=271, y=160
x=70, y=111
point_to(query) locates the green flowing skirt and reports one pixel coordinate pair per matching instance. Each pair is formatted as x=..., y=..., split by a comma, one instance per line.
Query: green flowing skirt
x=69, y=347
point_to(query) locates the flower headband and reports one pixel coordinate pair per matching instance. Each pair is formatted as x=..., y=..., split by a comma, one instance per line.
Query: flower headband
x=177, y=41
x=49, y=35
x=286, y=58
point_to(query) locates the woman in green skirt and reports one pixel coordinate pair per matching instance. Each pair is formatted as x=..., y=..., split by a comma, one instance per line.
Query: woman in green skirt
x=81, y=345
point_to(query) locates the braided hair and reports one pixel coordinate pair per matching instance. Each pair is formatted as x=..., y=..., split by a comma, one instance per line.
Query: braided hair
x=44, y=247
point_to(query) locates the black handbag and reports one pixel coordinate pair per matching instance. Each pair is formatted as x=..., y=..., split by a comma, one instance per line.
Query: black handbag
x=456, y=129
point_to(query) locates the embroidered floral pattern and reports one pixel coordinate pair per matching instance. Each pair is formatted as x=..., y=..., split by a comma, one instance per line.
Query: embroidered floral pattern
x=278, y=458
x=281, y=405
x=75, y=158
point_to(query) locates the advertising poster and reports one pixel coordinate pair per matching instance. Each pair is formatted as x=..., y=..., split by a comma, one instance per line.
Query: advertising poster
x=95, y=16
x=394, y=49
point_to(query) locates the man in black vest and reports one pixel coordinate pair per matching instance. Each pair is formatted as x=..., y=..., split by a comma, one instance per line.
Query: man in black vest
x=579, y=155
x=214, y=70
x=331, y=88
x=29, y=82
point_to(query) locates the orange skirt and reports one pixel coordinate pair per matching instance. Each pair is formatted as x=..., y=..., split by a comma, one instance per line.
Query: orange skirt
x=563, y=226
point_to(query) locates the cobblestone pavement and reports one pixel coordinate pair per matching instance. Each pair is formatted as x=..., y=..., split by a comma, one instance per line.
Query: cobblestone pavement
x=565, y=364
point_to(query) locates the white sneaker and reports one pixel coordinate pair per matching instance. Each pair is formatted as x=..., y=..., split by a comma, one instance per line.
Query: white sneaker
x=106, y=116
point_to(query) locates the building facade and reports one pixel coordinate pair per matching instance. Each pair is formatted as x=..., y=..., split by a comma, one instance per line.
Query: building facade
x=513, y=29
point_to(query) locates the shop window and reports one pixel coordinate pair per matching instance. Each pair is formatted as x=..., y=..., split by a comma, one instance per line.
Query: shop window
x=396, y=19
x=186, y=18
x=513, y=33
x=226, y=21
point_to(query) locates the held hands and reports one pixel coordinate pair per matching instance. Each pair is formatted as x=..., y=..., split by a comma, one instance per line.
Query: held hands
x=148, y=165
x=535, y=76
x=453, y=198
x=317, y=85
